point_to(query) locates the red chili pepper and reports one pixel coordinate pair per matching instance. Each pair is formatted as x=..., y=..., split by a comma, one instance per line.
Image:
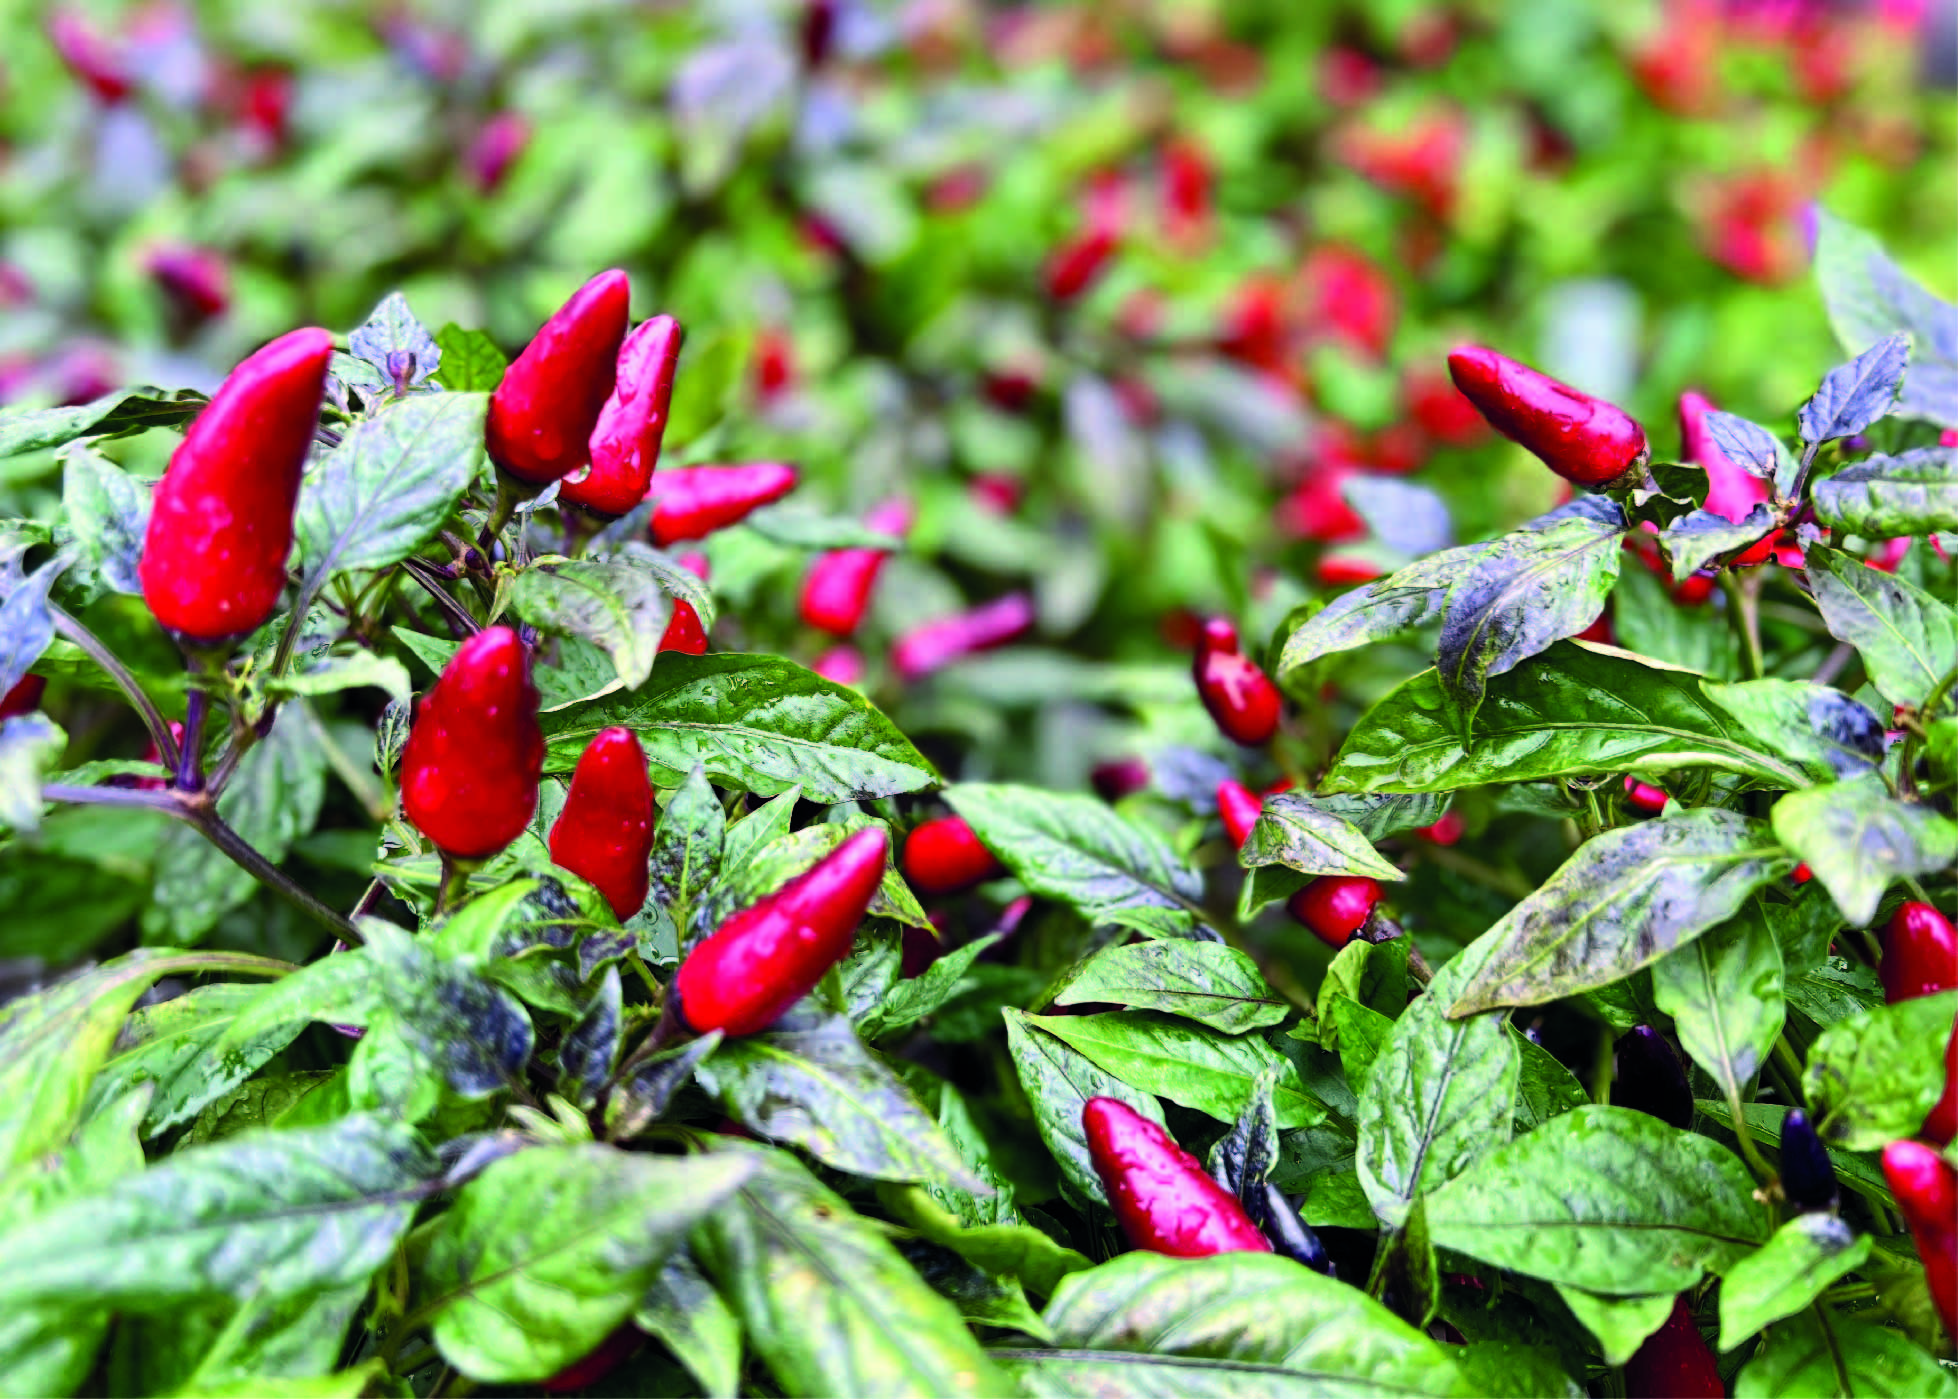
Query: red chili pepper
x=837, y=591
x=1335, y=906
x=23, y=697
x=1165, y=1200
x=840, y=664
x=1239, y=808
x=1942, y=1123
x=1118, y=777
x=770, y=955
x=266, y=107
x=945, y=855
x=625, y=443
x=1442, y=410
x=542, y=415
x=89, y=56
x=1186, y=189
x=1927, y=1193
x=683, y=631
x=1583, y=439
x=1732, y=490
x=612, y=1352
x=1349, y=299
x=936, y=645
x=214, y=558
x=1079, y=262
x=1344, y=570
x=998, y=492
x=1675, y=1362
x=1398, y=448
x=604, y=835
x=153, y=754
x=774, y=363
x=196, y=281
x=1446, y=831
x=693, y=502
x=1234, y=688
x=1599, y=631
x=470, y=768
x=1801, y=874
x=1643, y=797
x=1920, y=953
x=1257, y=326
x=496, y=148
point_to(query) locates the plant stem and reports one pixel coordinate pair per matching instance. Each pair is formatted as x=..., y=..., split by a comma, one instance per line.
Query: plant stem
x=160, y=735
x=190, y=759
x=455, y=883
x=1762, y=1170
x=1601, y=1068
x=1784, y=1059
x=246, y=856
x=459, y=616
x=1744, y=595
x=500, y=513
x=164, y=802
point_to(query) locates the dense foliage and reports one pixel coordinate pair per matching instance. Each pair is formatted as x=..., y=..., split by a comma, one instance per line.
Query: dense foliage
x=871, y=721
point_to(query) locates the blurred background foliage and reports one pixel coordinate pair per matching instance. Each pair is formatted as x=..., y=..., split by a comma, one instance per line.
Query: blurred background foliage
x=1143, y=305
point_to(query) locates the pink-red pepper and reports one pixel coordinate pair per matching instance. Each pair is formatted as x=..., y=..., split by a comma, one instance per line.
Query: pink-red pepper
x=693, y=502
x=764, y=959
x=684, y=633
x=1335, y=906
x=1927, y=1192
x=1079, y=262
x=624, y=446
x=936, y=645
x=495, y=149
x=836, y=594
x=99, y=65
x=214, y=557
x=470, y=768
x=542, y=415
x=1345, y=570
x=1187, y=179
x=840, y=664
x=1446, y=831
x=604, y=835
x=1239, y=808
x=1732, y=490
x=1441, y=410
x=612, y=1352
x=1920, y=953
x=23, y=697
x=1674, y=1362
x=774, y=363
x=945, y=855
x=1941, y=1126
x=195, y=281
x=1235, y=689
x=1585, y=440
x=1348, y=299
x=1643, y=797
x=1118, y=777
x=1165, y=1200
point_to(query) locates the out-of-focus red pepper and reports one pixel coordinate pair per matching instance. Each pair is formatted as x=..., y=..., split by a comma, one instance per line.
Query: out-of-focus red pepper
x=1674, y=1362
x=1927, y=1193
x=935, y=645
x=841, y=664
x=693, y=502
x=684, y=633
x=1920, y=953
x=23, y=697
x=1643, y=797
x=1732, y=490
x=100, y=65
x=1235, y=689
x=836, y=594
x=1239, y=808
x=1335, y=906
x=945, y=855
x=1348, y=299
x=774, y=363
x=497, y=146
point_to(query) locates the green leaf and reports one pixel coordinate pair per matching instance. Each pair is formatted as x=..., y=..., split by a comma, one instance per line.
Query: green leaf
x=26, y=624
x=1575, y=711
x=683, y=1312
x=1854, y=395
x=1826, y=730
x=1441, y=1094
x=1723, y=992
x=546, y=1252
x=1079, y=851
x=389, y=486
x=53, y=1042
x=687, y=845
x=1914, y=493
x=1190, y=1066
x=471, y=361
x=1859, y=1171
x=1058, y=1082
x=1648, y=621
x=1625, y=899
x=1824, y=1353
x=822, y=1090
x=391, y=329
x=1299, y=834
x=1907, y=638
x=172, y=1045
x=1400, y=602
x=265, y=1213
x=31, y=746
x=1869, y=297
x=1206, y=982
x=1605, y=1199
x=114, y=415
x=1857, y=839
x=273, y=799
x=1871, y=1079
x=760, y=723
x=1009, y=1250
x=1790, y=1271
x=911, y=1000
x=1237, y=1324
x=618, y=607
x=354, y=670
x=1544, y=1088
x=1752, y=448
x=105, y=514
x=1528, y=590
x=826, y=1301
x=1699, y=537
x=1620, y=1324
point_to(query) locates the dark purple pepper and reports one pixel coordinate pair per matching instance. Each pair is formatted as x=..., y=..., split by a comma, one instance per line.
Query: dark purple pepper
x=1650, y=1078
x=1290, y=1235
x=1807, y=1177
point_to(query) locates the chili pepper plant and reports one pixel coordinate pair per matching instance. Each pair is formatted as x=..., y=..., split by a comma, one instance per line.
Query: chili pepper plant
x=1056, y=812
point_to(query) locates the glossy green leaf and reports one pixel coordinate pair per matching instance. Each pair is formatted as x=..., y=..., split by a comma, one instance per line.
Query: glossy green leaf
x=1077, y=850
x=1574, y=711
x=105, y=514
x=471, y=360
x=1723, y=991
x=1854, y=395
x=1300, y=835
x=683, y=1312
x=1701, y=536
x=1907, y=638
x=547, y=1251
x=1058, y=1081
x=826, y=1301
x=1011, y=1250
x=1206, y=982
x=1605, y=1199
x=1235, y=1324
x=1625, y=899
x=914, y=998
x=1825, y=1353
x=1830, y=733
x=172, y=1045
x=1187, y=1064
x=1400, y=602
x=1912, y=493
x=1869, y=297
x=1872, y=1078
x=114, y=415
x=618, y=607
x=1619, y=1324
x=1806, y=1255
x=760, y=723
x=1858, y=840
